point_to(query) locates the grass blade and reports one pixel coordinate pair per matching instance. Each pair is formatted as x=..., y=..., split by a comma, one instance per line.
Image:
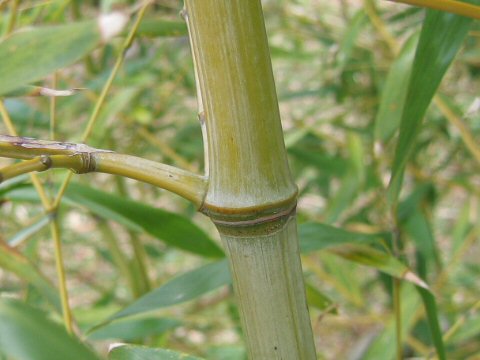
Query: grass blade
x=13, y=261
x=31, y=54
x=173, y=229
x=430, y=306
x=26, y=333
x=440, y=39
x=379, y=260
x=183, y=288
x=394, y=92
x=132, y=352
x=317, y=236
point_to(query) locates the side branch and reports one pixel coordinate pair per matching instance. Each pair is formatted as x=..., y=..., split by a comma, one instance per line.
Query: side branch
x=42, y=155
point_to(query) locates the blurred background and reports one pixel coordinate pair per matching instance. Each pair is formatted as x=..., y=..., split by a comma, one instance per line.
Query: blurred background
x=331, y=62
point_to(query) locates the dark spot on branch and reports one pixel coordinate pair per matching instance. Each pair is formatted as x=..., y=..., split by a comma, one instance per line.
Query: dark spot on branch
x=47, y=161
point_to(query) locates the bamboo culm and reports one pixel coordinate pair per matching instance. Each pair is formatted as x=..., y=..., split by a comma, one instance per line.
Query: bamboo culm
x=250, y=195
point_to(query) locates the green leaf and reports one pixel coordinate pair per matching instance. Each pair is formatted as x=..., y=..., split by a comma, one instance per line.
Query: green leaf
x=173, y=229
x=183, y=288
x=430, y=306
x=229, y=352
x=469, y=329
x=317, y=236
x=29, y=231
x=394, y=92
x=159, y=27
x=419, y=228
x=132, y=352
x=26, y=333
x=351, y=246
x=347, y=44
x=132, y=329
x=319, y=300
x=13, y=261
x=29, y=55
x=379, y=260
x=383, y=346
x=440, y=39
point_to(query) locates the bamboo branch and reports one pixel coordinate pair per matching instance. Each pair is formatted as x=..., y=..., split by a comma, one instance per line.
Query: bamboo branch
x=80, y=158
x=103, y=95
x=452, y=6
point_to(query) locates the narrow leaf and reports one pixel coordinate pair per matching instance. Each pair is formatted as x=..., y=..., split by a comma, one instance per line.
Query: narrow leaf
x=430, y=306
x=440, y=39
x=419, y=228
x=159, y=27
x=394, y=92
x=173, y=229
x=13, y=261
x=28, y=231
x=319, y=300
x=27, y=334
x=132, y=352
x=29, y=55
x=347, y=44
x=379, y=260
x=183, y=288
x=317, y=236
x=382, y=347
x=132, y=329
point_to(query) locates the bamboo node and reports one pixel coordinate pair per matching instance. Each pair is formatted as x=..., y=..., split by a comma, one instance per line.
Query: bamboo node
x=264, y=219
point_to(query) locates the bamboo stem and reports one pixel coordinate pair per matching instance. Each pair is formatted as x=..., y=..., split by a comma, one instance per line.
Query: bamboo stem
x=13, y=16
x=81, y=159
x=41, y=164
x=251, y=196
x=268, y=282
x=62, y=280
x=452, y=6
x=106, y=88
x=35, y=180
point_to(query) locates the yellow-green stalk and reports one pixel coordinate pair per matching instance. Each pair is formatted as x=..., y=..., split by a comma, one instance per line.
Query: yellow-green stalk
x=251, y=196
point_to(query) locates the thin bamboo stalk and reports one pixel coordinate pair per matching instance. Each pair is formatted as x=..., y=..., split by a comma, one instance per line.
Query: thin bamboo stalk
x=83, y=159
x=453, y=6
x=251, y=196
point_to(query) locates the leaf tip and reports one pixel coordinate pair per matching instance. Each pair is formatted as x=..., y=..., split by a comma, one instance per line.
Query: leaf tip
x=413, y=278
x=113, y=346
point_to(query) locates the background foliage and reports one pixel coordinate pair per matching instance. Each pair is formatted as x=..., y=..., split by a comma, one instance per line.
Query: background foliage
x=144, y=268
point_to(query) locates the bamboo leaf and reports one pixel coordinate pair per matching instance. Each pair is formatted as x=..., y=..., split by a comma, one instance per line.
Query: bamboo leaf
x=382, y=347
x=28, y=231
x=394, y=92
x=317, y=236
x=132, y=352
x=352, y=246
x=419, y=228
x=13, y=261
x=380, y=260
x=469, y=329
x=159, y=27
x=29, y=55
x=173, y=229
x=27, y=334
x=440, y=39
x=132, y=329
x=430, y=306
x=185, y=287
x=318, y=299
x=349, y=39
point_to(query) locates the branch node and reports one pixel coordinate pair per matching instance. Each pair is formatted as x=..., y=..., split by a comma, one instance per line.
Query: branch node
x=46, y=161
